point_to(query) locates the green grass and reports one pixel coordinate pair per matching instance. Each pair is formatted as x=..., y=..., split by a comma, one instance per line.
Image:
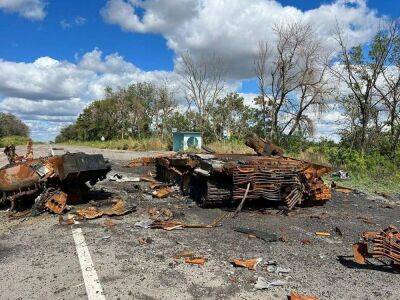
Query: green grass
x=369, y=174
x=145, y=144
x=370, y=185
x=13, y=140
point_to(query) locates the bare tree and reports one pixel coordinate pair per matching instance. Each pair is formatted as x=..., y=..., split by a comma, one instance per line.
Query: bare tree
x=360, y=73
x=313, y=87
x=203, y=80
x=261, y=69
x=294, y=78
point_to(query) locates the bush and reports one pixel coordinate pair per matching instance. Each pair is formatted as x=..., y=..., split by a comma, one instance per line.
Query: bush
x=13, y=140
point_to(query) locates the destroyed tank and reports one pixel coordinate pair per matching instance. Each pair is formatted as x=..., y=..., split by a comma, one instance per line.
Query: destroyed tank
x=51, y=181
x=218, y=179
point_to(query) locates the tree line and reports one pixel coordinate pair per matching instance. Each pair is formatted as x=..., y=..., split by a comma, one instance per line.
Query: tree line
x=298, y=78
x=10, y=125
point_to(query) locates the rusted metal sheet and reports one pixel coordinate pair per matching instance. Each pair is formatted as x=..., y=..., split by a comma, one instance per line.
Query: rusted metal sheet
x=119, y=208
x=385, y=244
x=57, y=202
x=250, y=264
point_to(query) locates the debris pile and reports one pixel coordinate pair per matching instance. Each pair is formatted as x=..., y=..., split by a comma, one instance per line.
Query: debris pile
x=385, y=245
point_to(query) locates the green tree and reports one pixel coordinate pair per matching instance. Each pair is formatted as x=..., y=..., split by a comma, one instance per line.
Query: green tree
x=231, y=114
x=11, y=125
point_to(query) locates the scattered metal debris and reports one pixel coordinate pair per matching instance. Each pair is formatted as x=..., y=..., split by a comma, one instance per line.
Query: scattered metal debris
x=265, y=236
x=200, y=261
x=385, y=244
x=160, y=214
x=250, y=264
x=119, y=208
x=144, y=241
x=70, y=220
x=109, y=223
x=322, y=234
x=262, y=283
x=146, y=223
x=162, y=192
x=123, y=178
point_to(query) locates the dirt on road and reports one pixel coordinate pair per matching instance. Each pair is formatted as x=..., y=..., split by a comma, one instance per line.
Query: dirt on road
x=39, y=259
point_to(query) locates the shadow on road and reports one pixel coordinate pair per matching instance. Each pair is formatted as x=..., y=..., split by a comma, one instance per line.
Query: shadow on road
x=348, y=262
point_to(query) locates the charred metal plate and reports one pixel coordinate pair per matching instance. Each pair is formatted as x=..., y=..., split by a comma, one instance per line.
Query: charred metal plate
x=57, y=202
x=79, y=164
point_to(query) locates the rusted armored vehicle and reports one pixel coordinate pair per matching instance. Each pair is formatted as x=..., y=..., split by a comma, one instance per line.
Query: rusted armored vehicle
x=216, y=179
x=221, y=179
x=51, y=181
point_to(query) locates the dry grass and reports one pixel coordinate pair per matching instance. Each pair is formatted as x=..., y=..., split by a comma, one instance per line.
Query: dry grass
x=231, y=147
x=145, y=144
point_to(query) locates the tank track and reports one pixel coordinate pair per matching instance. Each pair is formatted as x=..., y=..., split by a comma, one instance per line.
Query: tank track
x=208, y=194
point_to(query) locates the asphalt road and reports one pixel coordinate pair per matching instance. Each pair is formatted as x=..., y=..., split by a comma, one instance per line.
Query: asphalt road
x=39, y=258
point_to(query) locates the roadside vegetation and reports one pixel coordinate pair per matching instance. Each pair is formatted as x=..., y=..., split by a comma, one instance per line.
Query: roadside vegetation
x=299, y=81
x=13, y=140
x=12, y=130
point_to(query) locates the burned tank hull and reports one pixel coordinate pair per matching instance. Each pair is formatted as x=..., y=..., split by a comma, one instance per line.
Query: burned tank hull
x=216, y=180
x=31, y=177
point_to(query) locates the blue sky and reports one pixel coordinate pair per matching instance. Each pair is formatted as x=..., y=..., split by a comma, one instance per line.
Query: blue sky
x=48, y=46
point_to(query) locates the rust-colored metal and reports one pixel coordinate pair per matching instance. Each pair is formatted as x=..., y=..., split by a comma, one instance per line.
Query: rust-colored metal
x=142, y=161
x=162, y=192
x=27, y=177
x=360, y=253
x=385, y=244
x=200, y=261
x=263, y=147
x=250, y=264
x=217, y=179
x=56, y=202
x=119, y=208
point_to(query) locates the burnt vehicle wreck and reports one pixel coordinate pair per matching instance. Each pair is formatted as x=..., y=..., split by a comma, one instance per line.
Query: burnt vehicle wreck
x=51, y=181
x=216, y=180
x=219, y=179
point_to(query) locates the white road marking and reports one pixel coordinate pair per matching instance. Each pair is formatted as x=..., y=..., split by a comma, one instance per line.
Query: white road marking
x=94, y=290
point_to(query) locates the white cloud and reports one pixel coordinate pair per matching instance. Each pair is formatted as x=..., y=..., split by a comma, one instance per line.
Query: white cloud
x=79, y=20
x=232, y=28
x=53, y=92
x=64, y=24
x=30, y=9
